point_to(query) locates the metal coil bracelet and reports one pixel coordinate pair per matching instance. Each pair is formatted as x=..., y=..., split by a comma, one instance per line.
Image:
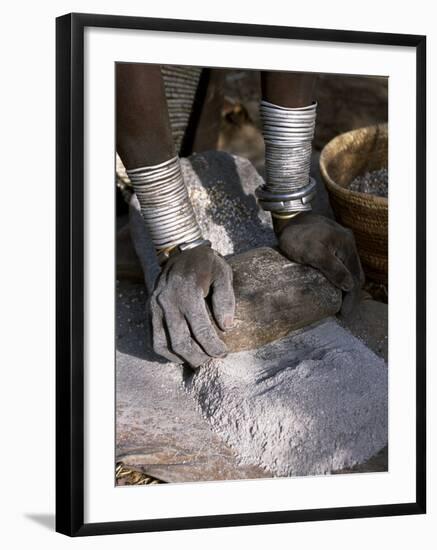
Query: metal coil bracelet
x=288, y=134
x=166, y=207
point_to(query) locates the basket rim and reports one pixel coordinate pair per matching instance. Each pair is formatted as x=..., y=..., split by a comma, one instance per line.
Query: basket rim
x=380, y=201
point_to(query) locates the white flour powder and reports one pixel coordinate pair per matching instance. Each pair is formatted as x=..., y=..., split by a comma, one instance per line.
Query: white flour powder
x=310, y=403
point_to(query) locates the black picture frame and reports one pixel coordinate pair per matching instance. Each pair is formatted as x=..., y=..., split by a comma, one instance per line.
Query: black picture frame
x=70, y=273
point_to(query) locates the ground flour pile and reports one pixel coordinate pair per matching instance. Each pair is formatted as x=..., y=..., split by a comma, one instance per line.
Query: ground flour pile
x=310, y=403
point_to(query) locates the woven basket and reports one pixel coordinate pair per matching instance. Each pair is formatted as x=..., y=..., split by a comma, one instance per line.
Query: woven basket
x=343, y=159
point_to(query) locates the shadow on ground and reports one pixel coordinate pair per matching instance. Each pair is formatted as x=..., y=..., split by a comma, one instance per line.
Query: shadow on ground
x=45, y=520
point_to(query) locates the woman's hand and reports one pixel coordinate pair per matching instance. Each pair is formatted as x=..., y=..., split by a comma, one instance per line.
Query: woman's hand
x=324, y=244
x=182, y=328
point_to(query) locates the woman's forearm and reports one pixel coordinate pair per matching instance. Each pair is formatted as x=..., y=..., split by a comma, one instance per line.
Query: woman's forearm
x=288, y=114
x=145, y=145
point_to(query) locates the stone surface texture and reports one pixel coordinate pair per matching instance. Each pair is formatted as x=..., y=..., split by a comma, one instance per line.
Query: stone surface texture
x=221, y=188
x=369, y=323
x=275, y=296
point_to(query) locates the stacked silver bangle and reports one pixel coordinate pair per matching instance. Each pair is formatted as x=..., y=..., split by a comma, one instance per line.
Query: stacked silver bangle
x=166, y=207
x=288, y=135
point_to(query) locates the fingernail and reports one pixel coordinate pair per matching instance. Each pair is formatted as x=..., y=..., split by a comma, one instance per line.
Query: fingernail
x=228, y=321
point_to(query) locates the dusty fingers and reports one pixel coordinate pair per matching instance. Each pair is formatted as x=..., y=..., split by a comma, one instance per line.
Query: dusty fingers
x=183, y=331
x=329, y=247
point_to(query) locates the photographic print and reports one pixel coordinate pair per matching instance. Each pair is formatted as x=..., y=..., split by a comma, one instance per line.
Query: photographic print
x=252, y=274
x=240, y=274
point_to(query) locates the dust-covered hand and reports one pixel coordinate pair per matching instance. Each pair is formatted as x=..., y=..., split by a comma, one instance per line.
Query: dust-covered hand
x=182, y=328
x=324, y=244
